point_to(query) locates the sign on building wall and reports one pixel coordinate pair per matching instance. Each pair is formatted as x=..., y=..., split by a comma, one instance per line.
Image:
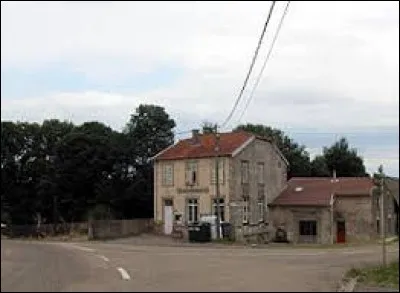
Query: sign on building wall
x=193, y=190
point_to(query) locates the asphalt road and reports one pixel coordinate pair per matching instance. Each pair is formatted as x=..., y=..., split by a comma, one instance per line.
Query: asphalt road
x=125, y=267
x=29, y=266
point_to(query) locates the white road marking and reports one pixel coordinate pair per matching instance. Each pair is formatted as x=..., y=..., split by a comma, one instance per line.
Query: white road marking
x=357, y=252
x=71, y=245
x=84, y=248
x=245, y=254
x=124, y=274
x=104, y=258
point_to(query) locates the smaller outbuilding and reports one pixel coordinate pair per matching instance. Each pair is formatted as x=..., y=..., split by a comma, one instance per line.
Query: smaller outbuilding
x=330, y=210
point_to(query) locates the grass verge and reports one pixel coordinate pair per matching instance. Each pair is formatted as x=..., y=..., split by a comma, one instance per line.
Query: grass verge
x=378, y=275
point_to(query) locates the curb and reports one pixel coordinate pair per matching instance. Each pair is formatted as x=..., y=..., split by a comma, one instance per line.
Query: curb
x=347, y=285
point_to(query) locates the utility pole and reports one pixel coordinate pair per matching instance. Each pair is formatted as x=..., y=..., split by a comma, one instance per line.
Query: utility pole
x=383, y=219
x=54, y=214
x=217, y=195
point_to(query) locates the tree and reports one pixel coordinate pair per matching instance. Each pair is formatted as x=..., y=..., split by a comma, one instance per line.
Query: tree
x=61, y=172
x=344, y=160
x=319, y=168
x=10, y=150
x=148, y=131
x=83, y=162
x=208, y=127
x=297, y=156
x=53, y=131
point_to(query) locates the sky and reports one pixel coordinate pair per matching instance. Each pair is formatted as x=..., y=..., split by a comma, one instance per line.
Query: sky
x=333, y=72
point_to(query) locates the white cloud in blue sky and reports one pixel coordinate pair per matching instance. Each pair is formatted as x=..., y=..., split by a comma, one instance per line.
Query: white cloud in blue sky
x=334, y=70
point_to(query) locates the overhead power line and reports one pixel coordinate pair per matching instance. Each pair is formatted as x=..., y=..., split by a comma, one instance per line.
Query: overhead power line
x=251, y=66
x=265, y=61
x=182, y=132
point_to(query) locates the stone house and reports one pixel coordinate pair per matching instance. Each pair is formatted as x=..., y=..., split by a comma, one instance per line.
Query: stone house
x=391, y=186
x=252, y=172
x=329, y=210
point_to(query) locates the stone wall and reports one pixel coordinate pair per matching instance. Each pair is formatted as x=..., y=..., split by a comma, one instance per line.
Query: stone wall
x=79, y=228
x=106, y=229
x=288, y=218
x=357, y=211
x=259, y=151
x=390, y=211
x=230, y=188
x=179, y=192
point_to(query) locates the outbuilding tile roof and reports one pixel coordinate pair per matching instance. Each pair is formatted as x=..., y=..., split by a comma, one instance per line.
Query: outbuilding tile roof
x=316, y=191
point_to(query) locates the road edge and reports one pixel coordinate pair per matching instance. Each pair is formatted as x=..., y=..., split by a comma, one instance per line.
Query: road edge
x=347, y=284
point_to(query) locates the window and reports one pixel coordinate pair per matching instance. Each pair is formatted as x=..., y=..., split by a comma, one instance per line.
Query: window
x=260, y=173
x=308, y=228
x=246, y=210
x=245, y=171
x=192, y=211
x=168, y=175
x=221, y=208
x=245, y=190
x=261, y=210
x=221, y=173
x=378, y=226
x=191, y=173
x=260, y=192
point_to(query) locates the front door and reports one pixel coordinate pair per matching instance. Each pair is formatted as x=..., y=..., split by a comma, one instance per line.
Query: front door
x=341, y=232
x=168, y=216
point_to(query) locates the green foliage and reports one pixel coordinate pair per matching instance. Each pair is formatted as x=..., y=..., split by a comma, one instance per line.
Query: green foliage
x=208, y=127
x=296, y=154
x=344, y=160
x=319, y=167
x=100, y=212
x=66, y=172
x=337, y=157
x=377, y=275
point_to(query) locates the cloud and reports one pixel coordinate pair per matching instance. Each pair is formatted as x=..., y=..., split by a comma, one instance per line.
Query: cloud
x=335, y=66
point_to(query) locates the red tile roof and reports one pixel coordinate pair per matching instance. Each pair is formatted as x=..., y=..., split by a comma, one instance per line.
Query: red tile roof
x=187, y=149
x=317, y=191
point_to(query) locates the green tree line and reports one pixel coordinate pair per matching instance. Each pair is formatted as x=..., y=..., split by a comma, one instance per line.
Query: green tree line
x=64, y=172
x=339, y=156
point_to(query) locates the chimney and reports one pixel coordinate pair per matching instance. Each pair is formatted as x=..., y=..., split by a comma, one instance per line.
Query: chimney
x=195, y=136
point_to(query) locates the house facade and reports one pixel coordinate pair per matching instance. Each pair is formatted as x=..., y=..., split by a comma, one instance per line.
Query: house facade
x=330, y=210
x=391, y=186
x=252, y=173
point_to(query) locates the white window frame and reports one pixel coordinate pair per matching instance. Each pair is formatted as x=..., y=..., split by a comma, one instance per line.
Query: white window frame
x=191, y=173
x=261, y=172
x=168, y=175
x=245, y=172
x=246, y=210
x=192, y=210
x=221, y=206
x=221, y=170
x=261, y=210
